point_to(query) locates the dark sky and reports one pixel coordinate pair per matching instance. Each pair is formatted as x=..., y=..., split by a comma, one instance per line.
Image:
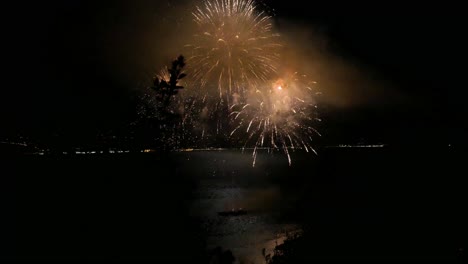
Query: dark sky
x=73, y=65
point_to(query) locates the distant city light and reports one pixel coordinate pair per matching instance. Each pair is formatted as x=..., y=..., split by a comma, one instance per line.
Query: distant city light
x=358, y=146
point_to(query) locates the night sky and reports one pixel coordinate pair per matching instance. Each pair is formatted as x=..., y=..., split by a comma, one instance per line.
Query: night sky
x=391, y=72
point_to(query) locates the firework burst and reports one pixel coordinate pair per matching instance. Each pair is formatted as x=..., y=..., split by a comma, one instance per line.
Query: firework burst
x=234, y=48
x=280, y=117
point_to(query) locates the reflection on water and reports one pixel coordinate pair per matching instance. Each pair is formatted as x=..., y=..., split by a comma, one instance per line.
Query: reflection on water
x=226, y=183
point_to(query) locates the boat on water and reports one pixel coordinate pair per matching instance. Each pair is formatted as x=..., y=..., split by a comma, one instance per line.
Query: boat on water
x=233, y=212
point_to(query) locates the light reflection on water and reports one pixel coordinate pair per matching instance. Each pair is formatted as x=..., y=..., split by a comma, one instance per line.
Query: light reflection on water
x=225, y=183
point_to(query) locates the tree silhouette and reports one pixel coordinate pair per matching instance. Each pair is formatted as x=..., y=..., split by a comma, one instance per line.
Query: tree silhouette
x=166, y=89
x=168, y=119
